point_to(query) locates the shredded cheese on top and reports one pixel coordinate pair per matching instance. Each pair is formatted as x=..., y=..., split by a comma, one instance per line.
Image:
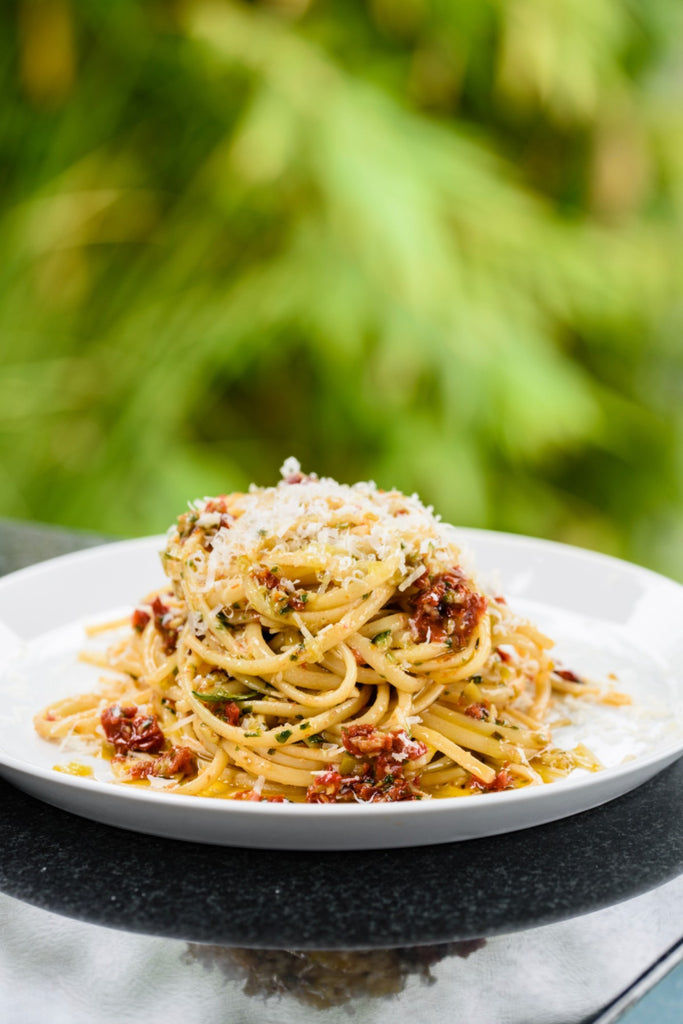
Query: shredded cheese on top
x=348, y=526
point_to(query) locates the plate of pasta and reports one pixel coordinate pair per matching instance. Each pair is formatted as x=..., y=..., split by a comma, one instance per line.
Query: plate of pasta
x=315, y=665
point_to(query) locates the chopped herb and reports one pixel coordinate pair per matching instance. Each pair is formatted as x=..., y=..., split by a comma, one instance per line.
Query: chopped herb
x=382, y=637
x=263, y=533
x=366, y=596
x=221, y=696
x=223, y=618
x=304, y=725
x=257, y=733
x=271, y=750
x=168, y=704
x=283, y=736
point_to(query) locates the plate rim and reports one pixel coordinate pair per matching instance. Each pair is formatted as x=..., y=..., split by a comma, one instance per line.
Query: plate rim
x=226, y=810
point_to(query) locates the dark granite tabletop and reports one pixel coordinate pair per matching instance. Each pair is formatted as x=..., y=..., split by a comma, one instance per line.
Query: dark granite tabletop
x=452, y=893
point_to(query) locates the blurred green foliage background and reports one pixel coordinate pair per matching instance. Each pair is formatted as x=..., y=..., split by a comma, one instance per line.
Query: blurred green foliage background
x=436, y=243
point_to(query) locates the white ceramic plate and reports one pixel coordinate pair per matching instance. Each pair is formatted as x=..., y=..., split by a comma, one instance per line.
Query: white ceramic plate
x=606, y=616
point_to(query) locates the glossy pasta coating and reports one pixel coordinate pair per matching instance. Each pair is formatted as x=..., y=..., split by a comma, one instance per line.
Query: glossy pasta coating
x=325, y=642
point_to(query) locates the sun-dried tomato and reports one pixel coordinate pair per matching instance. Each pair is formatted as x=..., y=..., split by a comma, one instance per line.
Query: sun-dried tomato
x=332, y=787
x=267, y=578
x=176, y=761
x=292, y=600
x=230, y=711
x=478, y=710
x=364, y=739
x=162, y=623
x=379, y=774
x=128, y=730
x=192, y=522
x=566, y=673
x=503, y=780
x=445, y=607
x=139, y=619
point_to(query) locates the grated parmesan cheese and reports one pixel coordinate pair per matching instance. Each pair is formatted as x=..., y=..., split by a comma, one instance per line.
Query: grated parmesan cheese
x=415, y=575
x=345, y=528
x=158, y=783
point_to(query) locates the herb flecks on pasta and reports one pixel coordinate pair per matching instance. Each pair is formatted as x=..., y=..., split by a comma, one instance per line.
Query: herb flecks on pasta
x=326, y=643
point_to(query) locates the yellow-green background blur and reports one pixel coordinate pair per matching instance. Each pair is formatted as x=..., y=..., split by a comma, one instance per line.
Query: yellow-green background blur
x=436, y=243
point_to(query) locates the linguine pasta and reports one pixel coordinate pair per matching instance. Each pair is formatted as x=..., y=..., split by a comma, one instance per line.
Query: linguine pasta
x=322, y=642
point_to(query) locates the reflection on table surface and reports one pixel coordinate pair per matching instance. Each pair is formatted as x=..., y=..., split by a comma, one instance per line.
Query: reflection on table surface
x=326, y=978
x=561, y=973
